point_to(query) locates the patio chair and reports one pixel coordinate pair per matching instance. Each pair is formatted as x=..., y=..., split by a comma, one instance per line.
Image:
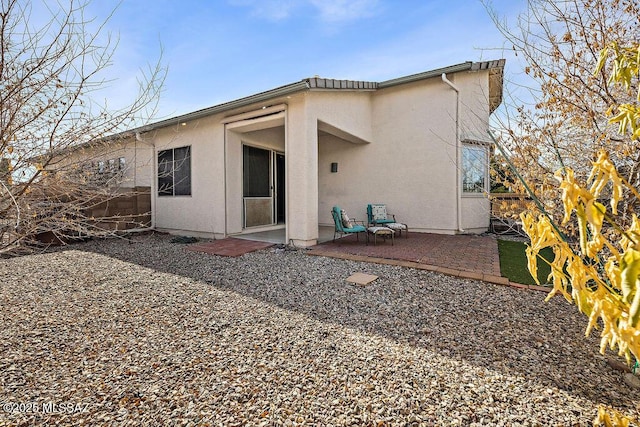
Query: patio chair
x=345, y=225
x=377, y=216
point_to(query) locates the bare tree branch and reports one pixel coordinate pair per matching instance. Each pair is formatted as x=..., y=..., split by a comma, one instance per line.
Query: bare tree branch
x=49, y=76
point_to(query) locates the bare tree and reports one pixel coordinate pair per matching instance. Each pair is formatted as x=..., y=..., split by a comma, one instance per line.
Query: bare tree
x=562, y=123
x=50, y=76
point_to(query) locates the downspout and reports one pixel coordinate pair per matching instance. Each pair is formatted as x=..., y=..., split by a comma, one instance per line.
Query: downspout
x=224, y=181
x=458, y=154
x=153, y=178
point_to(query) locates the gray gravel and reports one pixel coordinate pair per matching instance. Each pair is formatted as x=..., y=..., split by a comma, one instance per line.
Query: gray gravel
x=146, y=333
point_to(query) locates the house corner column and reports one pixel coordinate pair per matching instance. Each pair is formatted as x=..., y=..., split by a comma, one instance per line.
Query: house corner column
x=301, y=154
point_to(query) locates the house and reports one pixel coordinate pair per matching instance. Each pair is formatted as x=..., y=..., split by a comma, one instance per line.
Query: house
x=281, y=159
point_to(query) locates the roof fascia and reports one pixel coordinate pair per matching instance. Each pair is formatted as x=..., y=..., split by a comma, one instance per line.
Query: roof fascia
x=238, y=103
x=465, y=66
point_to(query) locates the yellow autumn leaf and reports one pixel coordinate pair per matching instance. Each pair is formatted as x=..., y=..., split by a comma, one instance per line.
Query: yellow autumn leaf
x=582, y=227
x=603, y=172
x=532, y=262
x=584, y=304
x=595, y=215
x=595, y=245
x=631, y=237
x=612, y=271
x=559, y=278
x=634, y=311
x=629, y=271
x=602, y=60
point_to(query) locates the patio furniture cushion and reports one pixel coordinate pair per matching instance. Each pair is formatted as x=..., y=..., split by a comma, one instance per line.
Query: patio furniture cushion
x=346, y=222
x=357, y=228
x=377, y=214
x=396, y=226
x=345, y=225
x=380, y=230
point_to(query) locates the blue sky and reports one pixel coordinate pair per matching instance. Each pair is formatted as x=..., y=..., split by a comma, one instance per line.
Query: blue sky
x=217, y=51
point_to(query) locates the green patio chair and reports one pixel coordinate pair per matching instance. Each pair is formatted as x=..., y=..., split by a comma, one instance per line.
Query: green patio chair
x=345, y=225
x=377, y=215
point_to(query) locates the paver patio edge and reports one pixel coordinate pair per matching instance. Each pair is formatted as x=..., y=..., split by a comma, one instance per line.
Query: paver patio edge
x=473, y=275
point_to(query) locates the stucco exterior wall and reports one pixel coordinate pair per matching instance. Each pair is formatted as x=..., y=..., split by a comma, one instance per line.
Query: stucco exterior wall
x=138, y=157
x=301, y=157
x=350, y=111
x=395, y=145
x=474, y=115
x=409, y=165
x=474, y=105
x=201, y=213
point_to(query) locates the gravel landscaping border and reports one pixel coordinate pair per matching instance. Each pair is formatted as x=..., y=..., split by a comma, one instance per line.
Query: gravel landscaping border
x=144, y=332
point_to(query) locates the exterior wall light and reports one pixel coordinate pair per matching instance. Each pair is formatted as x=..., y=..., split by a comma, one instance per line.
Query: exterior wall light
x=334, y=167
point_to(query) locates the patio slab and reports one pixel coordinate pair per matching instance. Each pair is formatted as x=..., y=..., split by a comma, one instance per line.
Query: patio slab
x=471, y=256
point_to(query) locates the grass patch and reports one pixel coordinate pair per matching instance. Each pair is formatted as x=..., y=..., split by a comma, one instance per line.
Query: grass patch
x=513, y=263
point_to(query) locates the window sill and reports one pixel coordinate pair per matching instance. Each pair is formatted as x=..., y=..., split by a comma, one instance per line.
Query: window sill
x=474, y=195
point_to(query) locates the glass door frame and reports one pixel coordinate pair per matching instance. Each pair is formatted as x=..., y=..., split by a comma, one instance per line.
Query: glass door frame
x=273, y=185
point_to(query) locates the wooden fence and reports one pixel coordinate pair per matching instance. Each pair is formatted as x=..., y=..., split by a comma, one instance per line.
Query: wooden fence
x=130, y=210
x=508, y=205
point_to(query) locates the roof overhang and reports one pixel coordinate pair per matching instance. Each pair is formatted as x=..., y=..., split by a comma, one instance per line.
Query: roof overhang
x=259, y=123
x=227, y=106
x=465, y=66
x=495, y=94
x=496, y=86
x=342, y=134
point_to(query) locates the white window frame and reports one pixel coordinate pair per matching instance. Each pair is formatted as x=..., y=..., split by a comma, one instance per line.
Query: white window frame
x=477, y=191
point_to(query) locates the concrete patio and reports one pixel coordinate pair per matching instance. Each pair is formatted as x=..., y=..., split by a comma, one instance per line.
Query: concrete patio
x=466, y=256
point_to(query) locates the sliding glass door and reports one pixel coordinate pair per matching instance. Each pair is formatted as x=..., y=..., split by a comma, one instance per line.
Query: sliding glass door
x=262, y=186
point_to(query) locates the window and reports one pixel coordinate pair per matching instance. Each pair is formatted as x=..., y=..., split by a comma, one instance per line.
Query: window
x=256, y=172
x=174, y=172
x=121, y=163
x=474, y=168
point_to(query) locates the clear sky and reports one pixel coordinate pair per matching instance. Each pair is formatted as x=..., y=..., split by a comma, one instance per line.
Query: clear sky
x=221, y=50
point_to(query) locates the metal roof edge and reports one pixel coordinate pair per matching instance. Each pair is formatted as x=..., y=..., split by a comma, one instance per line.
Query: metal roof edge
x=305, y=84
x=426, y=75
x=332, y=84
x=465, y=66
x=241, y=102
x=490, y=64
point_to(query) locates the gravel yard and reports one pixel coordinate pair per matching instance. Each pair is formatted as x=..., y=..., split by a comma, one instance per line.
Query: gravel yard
x=146, y=333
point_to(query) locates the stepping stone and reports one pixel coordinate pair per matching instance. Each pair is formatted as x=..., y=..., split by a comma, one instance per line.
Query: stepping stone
x=632, y=381
x=361, y=278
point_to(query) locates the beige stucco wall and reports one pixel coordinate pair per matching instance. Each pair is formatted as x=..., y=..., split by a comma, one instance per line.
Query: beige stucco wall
x=301, y=157
x=409, y=164
x=202, y=213
x=138, y=158
x=474, y=103
x=395, y=146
